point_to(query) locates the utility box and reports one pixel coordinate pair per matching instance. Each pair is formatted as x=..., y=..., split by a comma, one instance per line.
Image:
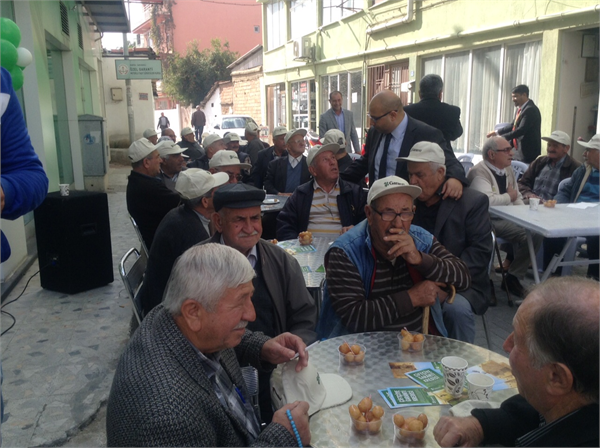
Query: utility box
x=116, y=93
x=93, y=151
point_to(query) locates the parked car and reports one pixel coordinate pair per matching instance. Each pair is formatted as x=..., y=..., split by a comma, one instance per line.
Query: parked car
x=234, y=123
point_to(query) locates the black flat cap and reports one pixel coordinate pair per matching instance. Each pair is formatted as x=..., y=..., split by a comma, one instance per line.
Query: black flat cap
x=237, y=196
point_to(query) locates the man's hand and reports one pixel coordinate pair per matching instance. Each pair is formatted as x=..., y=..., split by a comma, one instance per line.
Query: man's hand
x=299, y=410
x=491, y=134
x=284, y=347
x=404, y=247
x=424, y=293
x=512, y=193
x=1, y=199
x=345, y=229
x=533, y=195
x=453, y=188
x=284, y=194
x=458, y=431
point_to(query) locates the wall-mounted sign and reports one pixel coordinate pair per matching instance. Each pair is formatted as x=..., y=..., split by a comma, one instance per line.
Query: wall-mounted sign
x=138, y=69
x=143, y=97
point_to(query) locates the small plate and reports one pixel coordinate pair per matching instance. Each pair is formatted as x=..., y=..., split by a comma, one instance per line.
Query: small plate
x=270, y=201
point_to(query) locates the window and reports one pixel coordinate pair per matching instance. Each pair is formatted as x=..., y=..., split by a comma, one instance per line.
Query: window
x=303, y=15
x=276, y=29
x=276, y=106
x=336, y=9
x=304, y=105
x=350, y=85
x=480, y=83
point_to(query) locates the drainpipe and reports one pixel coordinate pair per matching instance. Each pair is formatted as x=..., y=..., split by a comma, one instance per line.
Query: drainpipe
x=409, y=17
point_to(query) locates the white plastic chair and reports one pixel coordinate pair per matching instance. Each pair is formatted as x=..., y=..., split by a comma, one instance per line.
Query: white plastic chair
x=519, y=168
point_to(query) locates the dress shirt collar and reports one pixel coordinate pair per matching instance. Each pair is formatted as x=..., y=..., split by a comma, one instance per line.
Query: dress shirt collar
x=294, y=160
x=495, y=169
x=398, y=133
x=252, y=255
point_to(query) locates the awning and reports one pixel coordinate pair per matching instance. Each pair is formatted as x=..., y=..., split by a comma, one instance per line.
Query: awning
x=109, y=16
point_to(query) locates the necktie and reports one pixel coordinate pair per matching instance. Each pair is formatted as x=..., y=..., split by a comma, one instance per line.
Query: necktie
x=515, y=127
x=384, y=156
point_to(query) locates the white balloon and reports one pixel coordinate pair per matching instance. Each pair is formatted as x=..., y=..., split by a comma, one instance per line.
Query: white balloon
x=24, y=57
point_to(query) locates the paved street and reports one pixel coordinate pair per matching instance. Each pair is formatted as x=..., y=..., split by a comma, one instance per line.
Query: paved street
x=60, y=357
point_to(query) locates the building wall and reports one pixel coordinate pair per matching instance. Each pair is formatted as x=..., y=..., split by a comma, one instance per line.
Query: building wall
x=212, y=110
x=246, y=93
x=226, y=98
x=205, y=21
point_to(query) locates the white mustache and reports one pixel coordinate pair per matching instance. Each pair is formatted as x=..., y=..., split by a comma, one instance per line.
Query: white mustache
x=241, y=325
x=245, y=235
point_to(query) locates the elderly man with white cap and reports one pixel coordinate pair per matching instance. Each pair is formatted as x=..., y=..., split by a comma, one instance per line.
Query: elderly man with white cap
x=462, y=226
x=384, y=271
x=285, y=174
x=172, y=162
x=148, y=198
x=191, y=147
x=180, y=229
x=255, y=145
x=343, y=158
x=212, y=143
x=584, y=187
x=325, y=206
x=228, y=162
x=151, y=135
x=259, y=169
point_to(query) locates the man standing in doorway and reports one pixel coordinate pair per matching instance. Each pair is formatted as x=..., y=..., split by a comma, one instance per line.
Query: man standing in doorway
x=338, y=118
x=198, y=121
x=524, y=135
x=163, y=122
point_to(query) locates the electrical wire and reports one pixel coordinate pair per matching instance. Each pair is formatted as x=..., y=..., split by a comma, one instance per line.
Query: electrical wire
x=14, y=300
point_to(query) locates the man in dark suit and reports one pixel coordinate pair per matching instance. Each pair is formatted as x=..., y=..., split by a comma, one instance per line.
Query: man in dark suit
x=394, y=133
x=285, y=174
x=339, y=118
x=462, y=226
x=259, y=169
x=432, y=111
x=524, y=134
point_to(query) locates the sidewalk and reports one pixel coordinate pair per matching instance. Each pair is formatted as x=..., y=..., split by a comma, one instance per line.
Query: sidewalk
x=59, y=358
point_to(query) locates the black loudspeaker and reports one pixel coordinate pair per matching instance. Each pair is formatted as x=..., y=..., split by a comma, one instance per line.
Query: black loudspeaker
x=73, y=242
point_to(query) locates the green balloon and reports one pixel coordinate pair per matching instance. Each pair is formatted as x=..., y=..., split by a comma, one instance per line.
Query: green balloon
x=8, y=55
x=10, y=31
x=17, y=77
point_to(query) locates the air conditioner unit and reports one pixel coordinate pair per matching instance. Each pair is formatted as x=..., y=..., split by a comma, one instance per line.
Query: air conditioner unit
x=303, y=49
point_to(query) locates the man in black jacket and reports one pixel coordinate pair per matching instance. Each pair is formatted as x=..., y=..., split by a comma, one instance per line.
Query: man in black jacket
x=524, y=134
x=432, y=111
x=285, y=174
x=180, y=229
x=554, y=358
x=192, y=148
x=325, y=206
x=259, y=169
x=392, y=135
x=148, y=198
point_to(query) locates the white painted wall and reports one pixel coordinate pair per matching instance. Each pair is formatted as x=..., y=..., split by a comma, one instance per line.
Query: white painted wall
x=117, y=122
x=212, y=110
x=173, y=116
x=572, y=76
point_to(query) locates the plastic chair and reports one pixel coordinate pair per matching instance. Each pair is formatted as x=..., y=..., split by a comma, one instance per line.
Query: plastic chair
x=497, y=241
x=139, y=235
x=466, y=165
x=465, y=157
x=519, y=168
x=133, y=277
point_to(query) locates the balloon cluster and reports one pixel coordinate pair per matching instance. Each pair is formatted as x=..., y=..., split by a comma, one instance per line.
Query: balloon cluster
x=12, y=57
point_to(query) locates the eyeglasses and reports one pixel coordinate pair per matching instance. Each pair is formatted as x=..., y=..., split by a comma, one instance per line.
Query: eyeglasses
x=374, y=119
x=232, y=176
x=509, y=149
x=389, y=216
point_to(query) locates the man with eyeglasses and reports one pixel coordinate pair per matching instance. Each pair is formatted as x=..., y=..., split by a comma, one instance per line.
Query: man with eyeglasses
x=462, y=226
x=392, y=135
x=384, y=271
x=285, y=174
x=228, y=162
x=494, y=177
x=325, y=206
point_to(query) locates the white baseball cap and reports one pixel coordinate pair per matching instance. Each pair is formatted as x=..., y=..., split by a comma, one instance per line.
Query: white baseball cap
x=594, y=142
x=320, y=390
x=293, y=132
x=425, y=152
x=559, y=137
x=210, y=139
x=335, y=136
x=186, y=131
x=279, y=130
x=251, y=128
x=227, y=158
x=149, y=133
x=231, y=137
x=390, y=185
x=168, y=147
x=194, y=182
x=140, y=149
x=318, y=149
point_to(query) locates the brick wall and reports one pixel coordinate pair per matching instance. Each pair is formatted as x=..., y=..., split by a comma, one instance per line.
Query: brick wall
x=227, y=98
x=246, y=92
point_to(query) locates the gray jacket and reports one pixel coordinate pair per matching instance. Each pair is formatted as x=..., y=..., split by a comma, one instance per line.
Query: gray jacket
x=161, y=395
x=328, y=121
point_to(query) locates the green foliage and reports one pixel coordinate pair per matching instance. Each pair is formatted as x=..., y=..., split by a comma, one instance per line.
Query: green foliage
x=188, y=78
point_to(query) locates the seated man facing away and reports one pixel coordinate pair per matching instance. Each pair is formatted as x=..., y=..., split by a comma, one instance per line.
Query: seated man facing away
x=226, y=161
x=172, y=162
x=554, y=358
x=280, y=296
x=180, y=229
x=494, y=177
x=179, y=381
x=285, y=174
x=462, y=226
x=384, y=271
x=326, y=206
x=584, y=186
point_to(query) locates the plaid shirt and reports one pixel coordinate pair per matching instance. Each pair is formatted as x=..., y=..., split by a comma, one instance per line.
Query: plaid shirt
x=546, y=184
